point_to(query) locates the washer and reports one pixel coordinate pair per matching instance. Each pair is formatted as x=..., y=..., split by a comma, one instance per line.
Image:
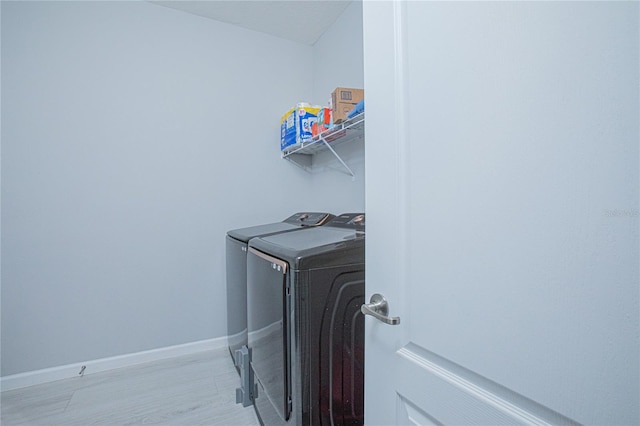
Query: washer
x=305, y=329
x=236, y=258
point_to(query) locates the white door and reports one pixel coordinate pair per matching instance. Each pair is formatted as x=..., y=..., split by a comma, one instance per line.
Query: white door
x=502, y=212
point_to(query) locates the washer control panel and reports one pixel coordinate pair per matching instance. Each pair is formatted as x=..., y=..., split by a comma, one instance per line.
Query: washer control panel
x=349, y=220
x=309, y=218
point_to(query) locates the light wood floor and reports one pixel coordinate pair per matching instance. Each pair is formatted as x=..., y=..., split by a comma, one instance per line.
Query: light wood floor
x=196, y=389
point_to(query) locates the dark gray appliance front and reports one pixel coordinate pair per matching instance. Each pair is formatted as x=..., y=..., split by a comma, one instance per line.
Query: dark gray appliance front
x=236, y=269
x=306, y=332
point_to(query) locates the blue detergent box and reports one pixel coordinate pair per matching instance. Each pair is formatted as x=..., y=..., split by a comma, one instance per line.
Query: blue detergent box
x=296, y=125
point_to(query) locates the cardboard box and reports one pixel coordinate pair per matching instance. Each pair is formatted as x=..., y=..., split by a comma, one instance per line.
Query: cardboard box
x=343, y=100
x=296, y=125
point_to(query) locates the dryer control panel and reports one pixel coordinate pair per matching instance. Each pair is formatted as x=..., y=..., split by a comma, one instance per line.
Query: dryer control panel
x=309, y=218
x=349, y=220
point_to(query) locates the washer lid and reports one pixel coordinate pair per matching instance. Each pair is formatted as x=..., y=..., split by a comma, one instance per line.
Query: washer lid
x=323, y=246
x=293, y=222
x=245, y=234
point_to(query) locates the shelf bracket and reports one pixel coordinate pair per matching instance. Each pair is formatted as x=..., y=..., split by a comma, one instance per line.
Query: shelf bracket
x=338, y=157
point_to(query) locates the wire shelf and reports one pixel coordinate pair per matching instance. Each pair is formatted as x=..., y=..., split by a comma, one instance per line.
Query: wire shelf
x=348, y=130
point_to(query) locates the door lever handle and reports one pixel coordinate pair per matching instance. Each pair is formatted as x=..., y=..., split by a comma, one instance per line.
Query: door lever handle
x=378, y=307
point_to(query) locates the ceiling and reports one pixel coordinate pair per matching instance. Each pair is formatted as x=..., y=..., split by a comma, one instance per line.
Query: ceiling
x=303, y=21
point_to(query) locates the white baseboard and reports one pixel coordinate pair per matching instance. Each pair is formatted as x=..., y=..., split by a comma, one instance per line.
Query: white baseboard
x=46, y=375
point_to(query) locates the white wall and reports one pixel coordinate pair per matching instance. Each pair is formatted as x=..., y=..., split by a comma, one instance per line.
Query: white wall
x=133, y=137
x=338, y=55
x=338, y=62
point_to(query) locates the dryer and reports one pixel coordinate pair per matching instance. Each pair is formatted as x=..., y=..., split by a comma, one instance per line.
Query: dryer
x=236, y=269
x=305, y=328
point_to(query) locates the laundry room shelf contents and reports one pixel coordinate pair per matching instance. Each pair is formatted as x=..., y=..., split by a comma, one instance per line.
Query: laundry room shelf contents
x=349, y=130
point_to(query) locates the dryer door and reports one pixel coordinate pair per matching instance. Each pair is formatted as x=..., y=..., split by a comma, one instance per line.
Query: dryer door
x=267, y=305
